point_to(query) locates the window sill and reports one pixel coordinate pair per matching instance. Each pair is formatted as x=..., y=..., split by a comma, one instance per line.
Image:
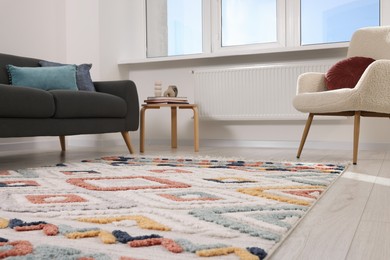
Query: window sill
x=230, y=53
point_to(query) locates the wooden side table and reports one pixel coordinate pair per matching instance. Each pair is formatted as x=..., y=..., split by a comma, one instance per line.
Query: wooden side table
x=174, y=108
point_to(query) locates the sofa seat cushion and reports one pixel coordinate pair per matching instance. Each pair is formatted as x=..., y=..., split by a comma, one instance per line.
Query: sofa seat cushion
x=25, y=102
x=86, y=104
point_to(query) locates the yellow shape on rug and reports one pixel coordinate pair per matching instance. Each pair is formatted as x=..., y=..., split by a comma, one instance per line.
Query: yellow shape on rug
x=77, y=235
x=107, y=237
x=142, y=221
x=262, y=192
x=4, y=223
x=240, y=252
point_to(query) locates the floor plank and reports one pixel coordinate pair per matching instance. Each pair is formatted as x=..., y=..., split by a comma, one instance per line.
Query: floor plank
x=372, y=241
x=372, y=238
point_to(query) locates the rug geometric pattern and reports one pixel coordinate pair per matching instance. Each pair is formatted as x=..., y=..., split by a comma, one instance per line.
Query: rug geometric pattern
x=123, y=207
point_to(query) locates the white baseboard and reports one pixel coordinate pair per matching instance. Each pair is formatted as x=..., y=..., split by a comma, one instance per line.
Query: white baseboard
x=294, y=144
x=101, y=141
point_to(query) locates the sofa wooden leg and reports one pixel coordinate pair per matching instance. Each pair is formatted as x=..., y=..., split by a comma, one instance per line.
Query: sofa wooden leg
x=126, y=137
x=62, y=142
x=305, y=133
x=356, y=133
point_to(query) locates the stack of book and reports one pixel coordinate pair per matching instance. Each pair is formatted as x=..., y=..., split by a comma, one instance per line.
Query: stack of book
x=166, y=100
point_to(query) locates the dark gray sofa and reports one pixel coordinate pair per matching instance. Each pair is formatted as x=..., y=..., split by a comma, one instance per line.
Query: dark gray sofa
x=27, y=112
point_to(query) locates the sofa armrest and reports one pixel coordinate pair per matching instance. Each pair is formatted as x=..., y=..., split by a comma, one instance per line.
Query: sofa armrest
x=127, y=90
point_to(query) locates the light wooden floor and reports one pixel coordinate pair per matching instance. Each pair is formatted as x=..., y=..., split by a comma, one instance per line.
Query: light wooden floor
x=351, y=221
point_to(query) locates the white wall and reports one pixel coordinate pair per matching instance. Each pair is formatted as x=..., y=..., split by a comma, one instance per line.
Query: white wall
x=83, y=34
x=62, y=30
x=104, y=32
x=33, y=28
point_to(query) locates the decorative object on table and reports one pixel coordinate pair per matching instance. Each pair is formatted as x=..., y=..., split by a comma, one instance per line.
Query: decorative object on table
x=157, y=88
x=166, y=100
x=157, y=207
x=172, y=91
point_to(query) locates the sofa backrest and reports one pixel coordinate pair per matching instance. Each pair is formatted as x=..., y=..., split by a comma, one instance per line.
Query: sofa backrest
x=14, y=60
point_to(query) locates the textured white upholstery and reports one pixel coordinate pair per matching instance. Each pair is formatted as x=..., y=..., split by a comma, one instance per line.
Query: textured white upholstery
x=371, y=42
x=372, y=92
x=370, y=96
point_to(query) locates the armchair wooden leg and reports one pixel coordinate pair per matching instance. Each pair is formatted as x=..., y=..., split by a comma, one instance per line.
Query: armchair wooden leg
x=62, y=142
x=356, y=133
x=126, y=137
x=305, y=133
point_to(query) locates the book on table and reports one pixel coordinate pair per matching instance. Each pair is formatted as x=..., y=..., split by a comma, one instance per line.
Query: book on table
x=166, y=100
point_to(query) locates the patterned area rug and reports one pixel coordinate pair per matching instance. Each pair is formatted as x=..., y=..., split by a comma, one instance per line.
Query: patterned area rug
x=156, y=208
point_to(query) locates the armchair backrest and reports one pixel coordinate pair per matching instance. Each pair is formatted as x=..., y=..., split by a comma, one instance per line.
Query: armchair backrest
x=373, y=42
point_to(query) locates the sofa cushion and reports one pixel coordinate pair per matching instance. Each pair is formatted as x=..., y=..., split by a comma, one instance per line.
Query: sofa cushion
x=83, y=77
x=24, y=102
x=46, y=78
x=86, y=104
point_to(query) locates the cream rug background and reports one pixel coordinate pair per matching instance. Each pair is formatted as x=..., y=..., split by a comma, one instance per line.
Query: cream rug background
x=156, y=208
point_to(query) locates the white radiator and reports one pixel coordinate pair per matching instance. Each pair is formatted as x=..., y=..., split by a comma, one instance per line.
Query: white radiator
x=250, y=93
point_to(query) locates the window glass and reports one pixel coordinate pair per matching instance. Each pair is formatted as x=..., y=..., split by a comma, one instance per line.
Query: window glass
x=335, y=20
x=174, y=27
x=248, y=22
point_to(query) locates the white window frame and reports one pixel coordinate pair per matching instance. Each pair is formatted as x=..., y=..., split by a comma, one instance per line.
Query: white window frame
x=288, y=37
x=217, y=31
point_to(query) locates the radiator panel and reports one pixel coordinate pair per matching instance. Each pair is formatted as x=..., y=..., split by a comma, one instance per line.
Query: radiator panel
x=250, y=93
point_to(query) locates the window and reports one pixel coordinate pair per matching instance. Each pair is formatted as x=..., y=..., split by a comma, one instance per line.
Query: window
x=229, y=27
x=248, y=22
x=333, y=21
x=174, y=27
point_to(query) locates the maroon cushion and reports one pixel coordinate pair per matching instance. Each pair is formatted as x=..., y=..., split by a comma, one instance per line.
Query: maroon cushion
x=346, y=73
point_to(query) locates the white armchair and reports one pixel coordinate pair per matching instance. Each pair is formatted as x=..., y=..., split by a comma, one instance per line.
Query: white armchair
x=371, y=95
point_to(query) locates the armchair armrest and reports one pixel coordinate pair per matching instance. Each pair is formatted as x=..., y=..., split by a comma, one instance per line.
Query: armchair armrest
x=311, y=82
x=127, y=90
x=373, y=89
x=371, y=94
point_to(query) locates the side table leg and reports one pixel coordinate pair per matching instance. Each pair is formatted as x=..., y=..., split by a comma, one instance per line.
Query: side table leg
x=142, y=131
x=196, y=129
x=174, y=127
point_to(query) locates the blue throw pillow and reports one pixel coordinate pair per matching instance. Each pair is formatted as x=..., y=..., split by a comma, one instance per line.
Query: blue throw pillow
x=83, y=77
x=46, y=78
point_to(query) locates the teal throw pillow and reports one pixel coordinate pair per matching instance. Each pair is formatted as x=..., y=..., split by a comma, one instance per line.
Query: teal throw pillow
x=46, y=78
x=83, y=76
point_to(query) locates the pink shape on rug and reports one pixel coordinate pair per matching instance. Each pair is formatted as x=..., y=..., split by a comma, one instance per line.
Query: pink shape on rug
x=4, y=173
x=170, y=171
x=50, y=230
x=29, y=228
x=57, y=198
x=129, y=258
x=19, y=248
x=169, y=244
x=305, y=193
x=176, y=198
x=166, y=184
